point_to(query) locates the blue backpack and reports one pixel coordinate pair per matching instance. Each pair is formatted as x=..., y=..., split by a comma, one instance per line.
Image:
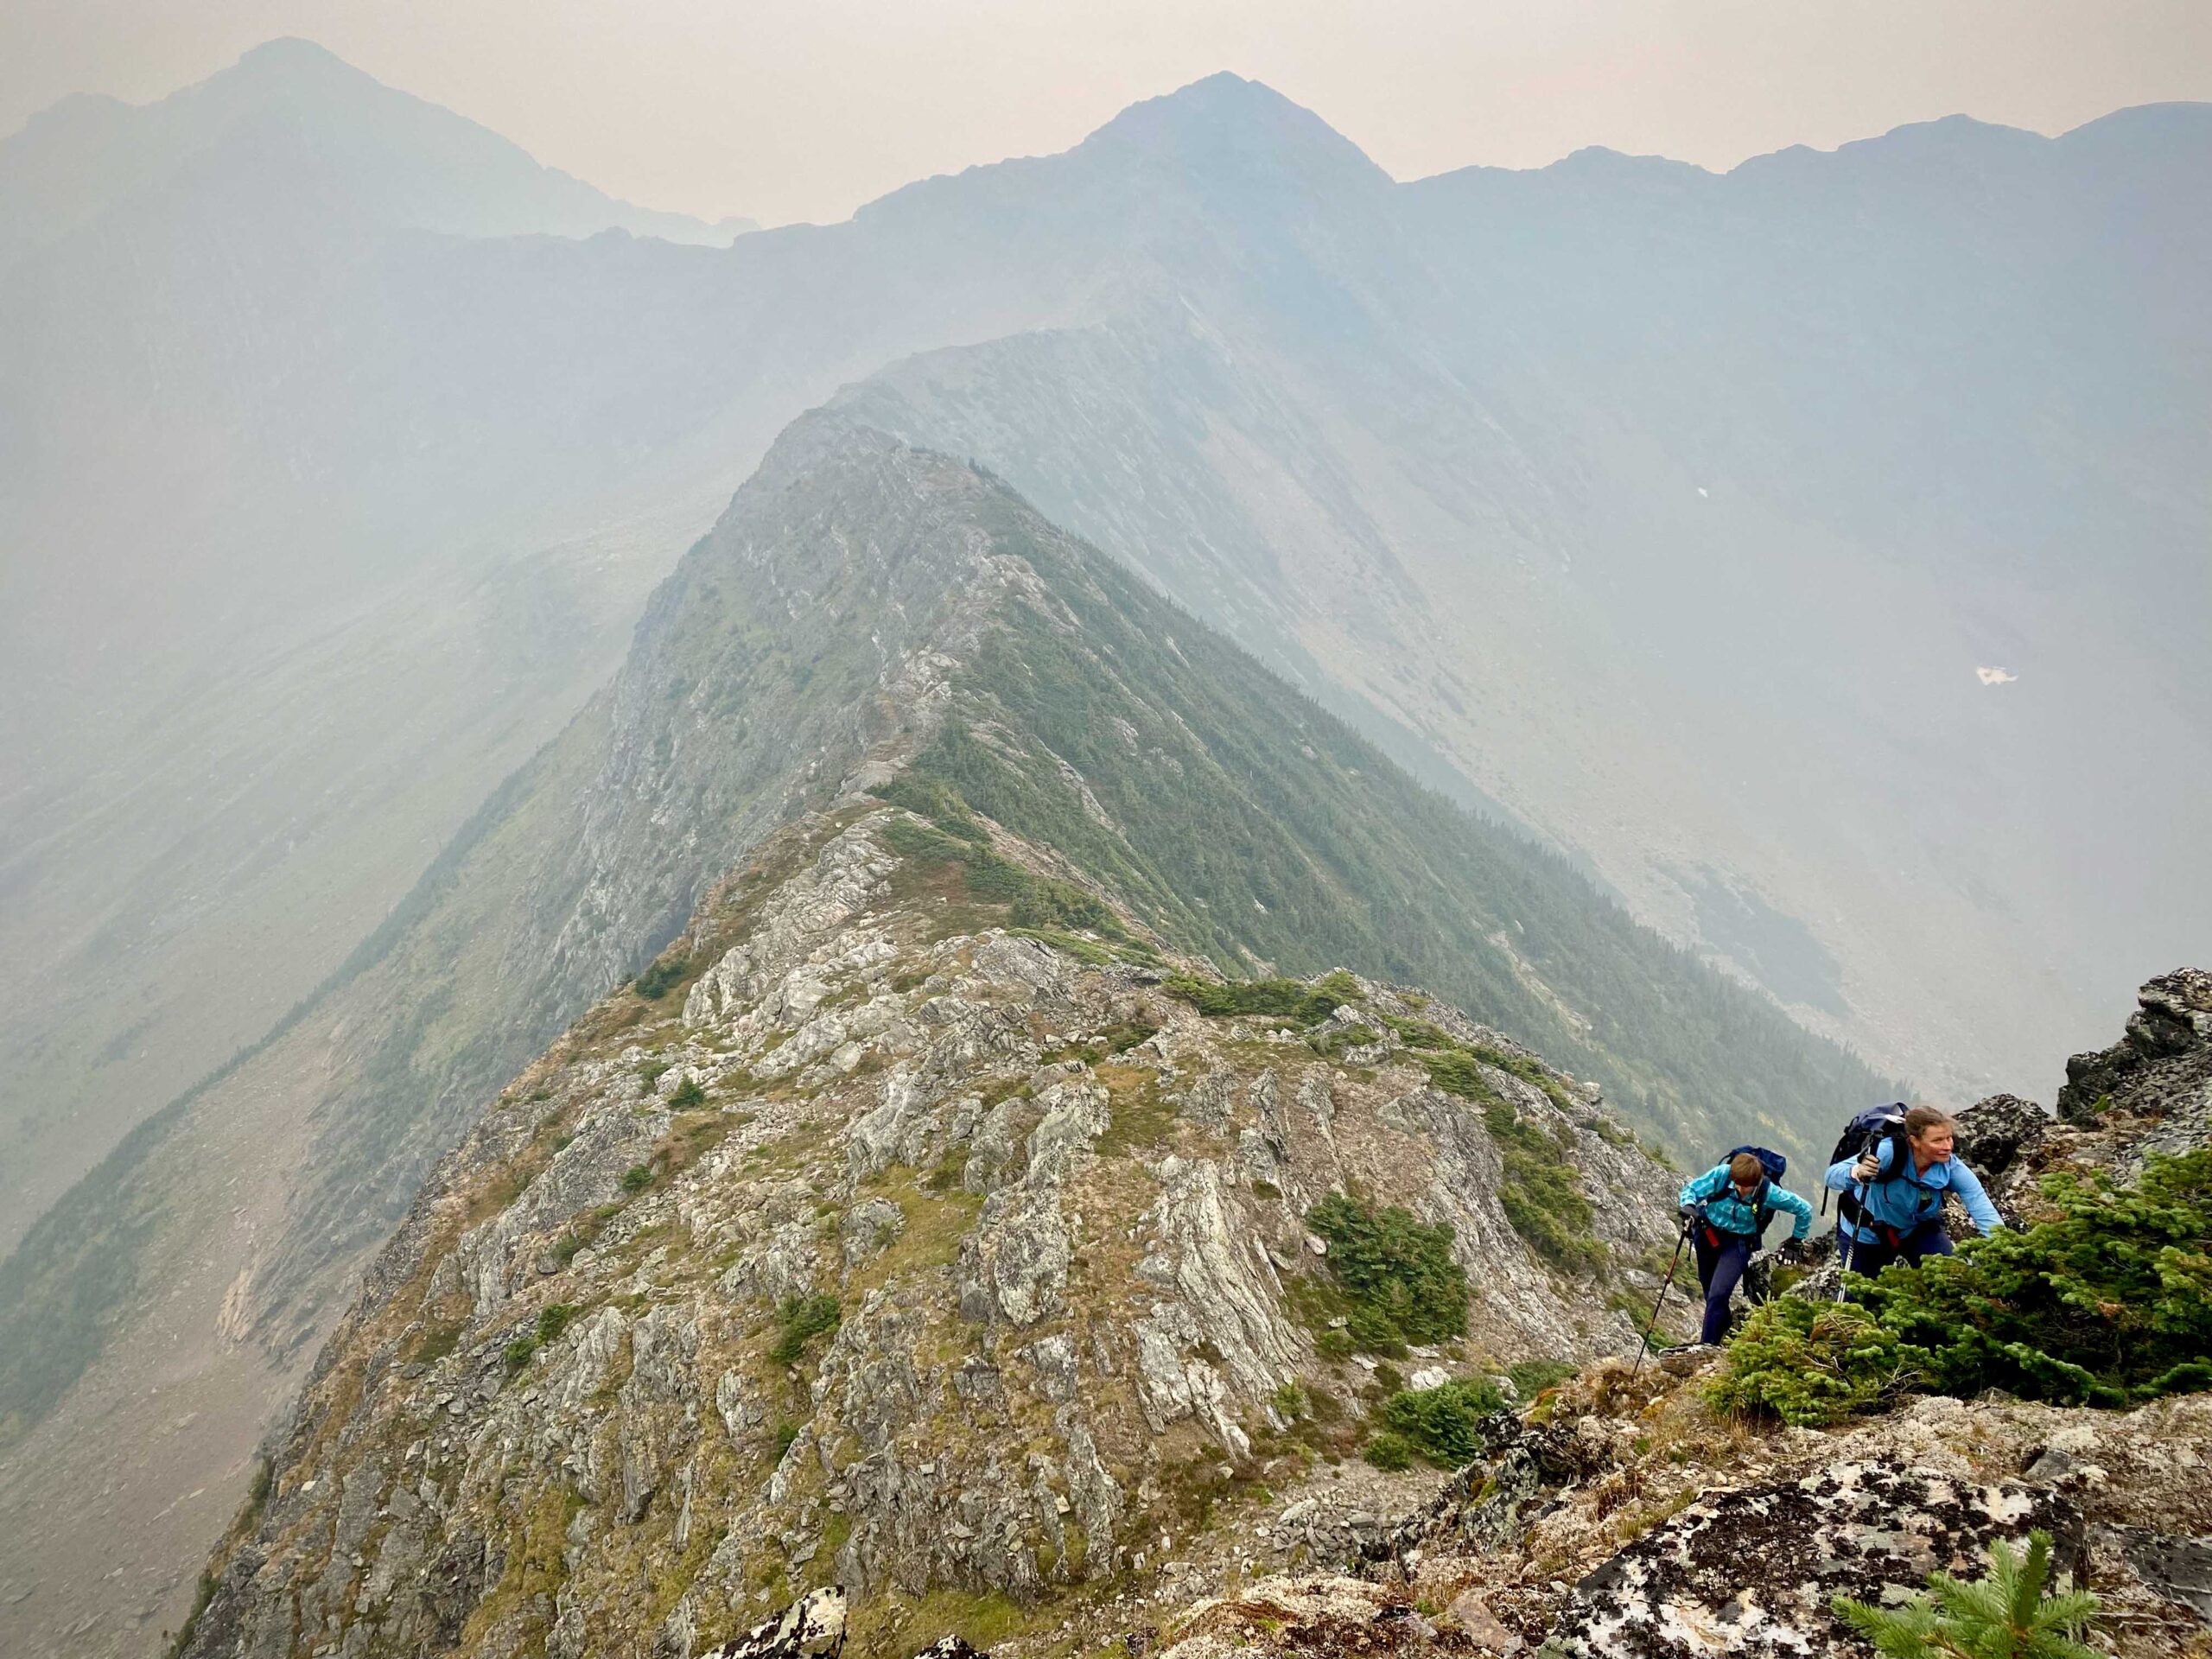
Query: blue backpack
x=1775, y=1166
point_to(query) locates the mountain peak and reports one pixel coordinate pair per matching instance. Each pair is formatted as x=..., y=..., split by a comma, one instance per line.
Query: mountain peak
x=1226, y=121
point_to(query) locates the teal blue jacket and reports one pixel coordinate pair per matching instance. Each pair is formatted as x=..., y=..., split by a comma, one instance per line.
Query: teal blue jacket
x=1716, y=1195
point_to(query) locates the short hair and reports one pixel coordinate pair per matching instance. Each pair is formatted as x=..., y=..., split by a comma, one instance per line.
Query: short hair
x=1744, y=1168
x=1921, y=1119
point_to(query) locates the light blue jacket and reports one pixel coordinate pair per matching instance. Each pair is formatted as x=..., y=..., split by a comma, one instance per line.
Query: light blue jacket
x=1912, y=1197
x=1730, y=1214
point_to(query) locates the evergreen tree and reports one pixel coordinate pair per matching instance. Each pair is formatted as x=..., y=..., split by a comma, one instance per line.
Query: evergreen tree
x=2009, y=1615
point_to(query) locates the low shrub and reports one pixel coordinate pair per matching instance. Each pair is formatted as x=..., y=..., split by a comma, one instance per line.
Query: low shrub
x=1442, y=1423
x=1286, y=999
x=661, y=977
x=553, y=1320
x=1390, y=1450
x=1811, y=1363
x=800, y=1320
x=2107, y=1303
x=1396, y=1274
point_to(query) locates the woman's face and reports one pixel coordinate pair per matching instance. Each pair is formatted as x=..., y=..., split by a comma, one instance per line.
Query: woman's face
x=1934, y=1143
x=1745, y=1191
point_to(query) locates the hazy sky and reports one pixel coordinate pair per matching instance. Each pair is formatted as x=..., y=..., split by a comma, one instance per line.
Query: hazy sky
x=803, y=109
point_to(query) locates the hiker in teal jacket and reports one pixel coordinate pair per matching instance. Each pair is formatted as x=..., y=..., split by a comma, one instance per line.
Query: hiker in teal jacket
x=1899, y=1183
x=1727, y=1209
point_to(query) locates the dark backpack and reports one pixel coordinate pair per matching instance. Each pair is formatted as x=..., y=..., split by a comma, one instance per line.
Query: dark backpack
x=1863, y=1135
x=1775, y=1166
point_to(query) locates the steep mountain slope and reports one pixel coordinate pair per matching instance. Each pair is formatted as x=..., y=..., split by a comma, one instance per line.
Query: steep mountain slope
x=865, y=612
x=1055, y=1218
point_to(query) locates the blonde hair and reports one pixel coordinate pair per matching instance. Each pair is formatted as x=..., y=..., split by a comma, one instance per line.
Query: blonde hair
x=1921, y=1119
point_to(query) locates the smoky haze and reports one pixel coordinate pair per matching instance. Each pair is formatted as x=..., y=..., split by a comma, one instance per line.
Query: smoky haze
x=1811, y=554
x=789, y=111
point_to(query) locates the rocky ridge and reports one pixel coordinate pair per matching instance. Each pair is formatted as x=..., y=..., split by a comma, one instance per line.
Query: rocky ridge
x=869, y=1240
x=1623, y=1518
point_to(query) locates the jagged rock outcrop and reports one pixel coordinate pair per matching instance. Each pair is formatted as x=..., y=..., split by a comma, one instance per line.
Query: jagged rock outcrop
x=893, y=1248
x=2162, y=1068
x=813, y=1627
x=2149, y=1093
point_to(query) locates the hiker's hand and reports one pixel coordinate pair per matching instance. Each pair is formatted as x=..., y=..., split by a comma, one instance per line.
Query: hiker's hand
x=1866, y=1168
x=1688, y=1216
x=1792, y=1251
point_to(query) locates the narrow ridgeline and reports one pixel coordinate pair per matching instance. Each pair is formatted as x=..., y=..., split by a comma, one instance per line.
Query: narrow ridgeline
x=869, y=623
x=921, y=1223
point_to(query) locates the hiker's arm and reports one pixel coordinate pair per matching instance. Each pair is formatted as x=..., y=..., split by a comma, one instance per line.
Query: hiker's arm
x=1782, y=1199
x=1967, y=1186
x=1699, y=1188
x=1840, y=1178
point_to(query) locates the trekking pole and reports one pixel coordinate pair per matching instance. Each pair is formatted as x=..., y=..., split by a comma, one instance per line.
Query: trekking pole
x=1846, y=1235
x=1680, y=1239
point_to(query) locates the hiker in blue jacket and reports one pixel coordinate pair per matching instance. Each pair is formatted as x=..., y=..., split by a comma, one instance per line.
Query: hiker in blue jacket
x=1899, y=1182
x=1727, y=1210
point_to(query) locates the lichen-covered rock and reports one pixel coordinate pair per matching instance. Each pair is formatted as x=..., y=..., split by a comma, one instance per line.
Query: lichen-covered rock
x=1752, y=1570
x=813, y=1627
x=916, y=1254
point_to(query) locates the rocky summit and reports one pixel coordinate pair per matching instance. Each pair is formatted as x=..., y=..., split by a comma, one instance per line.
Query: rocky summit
x=996, y=1273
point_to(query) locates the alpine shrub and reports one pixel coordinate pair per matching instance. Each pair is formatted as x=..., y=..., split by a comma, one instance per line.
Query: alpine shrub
x=2108, y=1303
x=1811, y=1363
x=802, y=1318
x=1281, y=998
x=1397, y=1274
x=1442, y=1423
x=1391, y=1451
x=662, y=976
x=2009, y=1615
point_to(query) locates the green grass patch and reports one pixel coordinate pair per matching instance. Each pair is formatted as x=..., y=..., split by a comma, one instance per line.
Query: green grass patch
x=1032, y=902
x=1539, y=1195
x=1142, y=1118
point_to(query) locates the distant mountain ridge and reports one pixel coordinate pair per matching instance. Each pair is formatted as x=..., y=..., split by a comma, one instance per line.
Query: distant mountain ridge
x=400, y=161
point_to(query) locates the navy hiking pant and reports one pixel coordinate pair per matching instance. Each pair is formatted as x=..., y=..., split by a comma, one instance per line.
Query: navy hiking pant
x=1720, y=1265
x=1870, y=1257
